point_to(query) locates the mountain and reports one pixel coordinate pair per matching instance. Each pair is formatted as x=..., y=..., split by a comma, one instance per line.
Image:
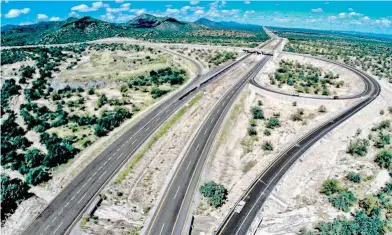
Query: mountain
x=150, y=21
x=227, y=25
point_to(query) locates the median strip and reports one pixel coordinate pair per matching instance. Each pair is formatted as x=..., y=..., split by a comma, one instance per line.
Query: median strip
x=154, y=139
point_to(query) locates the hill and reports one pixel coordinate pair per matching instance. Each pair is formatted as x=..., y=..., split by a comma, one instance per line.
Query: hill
x=146, y=26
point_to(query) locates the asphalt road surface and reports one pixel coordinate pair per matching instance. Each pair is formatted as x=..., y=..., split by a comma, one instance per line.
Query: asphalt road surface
x=259, y=190
x=69, y=205
x=174, y=208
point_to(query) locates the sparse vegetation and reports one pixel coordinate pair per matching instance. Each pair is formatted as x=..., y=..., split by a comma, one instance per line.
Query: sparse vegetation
x=358, y=147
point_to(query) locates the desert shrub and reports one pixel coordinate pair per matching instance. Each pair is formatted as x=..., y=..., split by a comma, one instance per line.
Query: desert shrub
x=156, y=92
x=91, y=91
x=384, y=159
x=215, y=193
x=252, y=131
x=267, y=146
x=252, y=122
x=358, y=147
x=102, y=100
x=331, y=186
x=267, y=132
x=272, y=123
x=382, y=140
x=369, y=203
x=354, y=177
x=322, y=109
x=257, y=112
x=343, y=200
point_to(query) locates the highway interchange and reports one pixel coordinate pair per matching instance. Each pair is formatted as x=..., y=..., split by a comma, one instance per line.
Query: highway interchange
x=174, y=210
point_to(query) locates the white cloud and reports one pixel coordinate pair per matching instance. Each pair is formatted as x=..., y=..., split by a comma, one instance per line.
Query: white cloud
x=331, y=18
x=124, y=7
x=119, y=1
x=317, y=10
x=350, y=9
x=326, y=3
x=194, y=2
x=138, y=11
x=54, y=18
x=42, y=16
x=353, y=13
x=84, y=8
x=185, y=9
x=342, y=15
x=13, y=13
x=282, y=20
x=199, y=12
x=384, y=22
x=249, y=13
x=213, y=13
x=247, y=1
x=172, y=11
x=108, y=16
x=230, y=12
x=366, y=18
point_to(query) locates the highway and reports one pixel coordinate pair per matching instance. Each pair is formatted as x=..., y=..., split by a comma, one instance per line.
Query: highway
x=69, y=205
x=260, y=188
x=174, y=208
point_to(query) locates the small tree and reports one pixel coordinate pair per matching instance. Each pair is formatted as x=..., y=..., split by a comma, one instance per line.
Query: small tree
x=215, y=193
x=273, y=122
x=322, y=109
x=37, y=175
x=343, y=200
x=252, y=131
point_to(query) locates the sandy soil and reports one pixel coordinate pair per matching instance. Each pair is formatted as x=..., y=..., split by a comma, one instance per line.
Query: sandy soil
x=130, y=203
x=300, y=204
x=353, y=84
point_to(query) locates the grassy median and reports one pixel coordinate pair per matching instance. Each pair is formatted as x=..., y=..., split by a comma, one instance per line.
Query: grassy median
x=163, y=130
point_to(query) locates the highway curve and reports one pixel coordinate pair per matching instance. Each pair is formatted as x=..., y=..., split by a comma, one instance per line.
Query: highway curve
x=259, y=190
x=172, y=211
x=69, y=205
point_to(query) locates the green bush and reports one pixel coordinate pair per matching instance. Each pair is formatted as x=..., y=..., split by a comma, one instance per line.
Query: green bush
x=252, y=122
x=354, y=177
x=343, y=200
x=257, y=112
x=156, y=92
x=33, y=157
x=369, y=203
x=384, y=159
x=331, y=186
x=37, y=175
x=215, y=193
x=273, y=122
x=358, y=147
x=13, y=192
x=267, y=132
x=267, y=146
x=252, y=131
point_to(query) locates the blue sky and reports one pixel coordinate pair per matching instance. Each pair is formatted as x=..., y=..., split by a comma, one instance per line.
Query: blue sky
x=361, y=16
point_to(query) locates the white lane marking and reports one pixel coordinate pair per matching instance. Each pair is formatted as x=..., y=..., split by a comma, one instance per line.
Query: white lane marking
x=78, y=191
x=197, y=148
x=122, y=145
x=94, y=173
x=120, y=155
x=206, y=131
x=81, y=198
x=148, y=128
x=133, y=141
x=127, y=141
x=218, y=111
x=212, y=120
x=176, y=192
x=72, y=198
x=162, y=229
x=102, y=175
x=46, y=227
x=117, y=150
x=57, y=228
x=54, y=219
x=100, y=167
x=61, y=211
x=188, y=165
x=66, y=204
x=105, y=162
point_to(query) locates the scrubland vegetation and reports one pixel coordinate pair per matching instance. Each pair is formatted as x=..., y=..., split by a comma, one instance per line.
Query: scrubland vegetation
x=370, y=54
x=305, y=78
x=45, y=126
x=371, y=213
